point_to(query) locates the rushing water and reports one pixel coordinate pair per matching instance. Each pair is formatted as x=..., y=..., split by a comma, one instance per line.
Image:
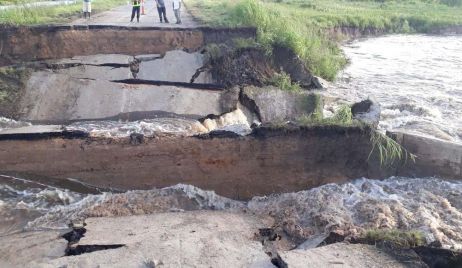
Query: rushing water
x=430, y=205
x=147, y=127
x=417, y=79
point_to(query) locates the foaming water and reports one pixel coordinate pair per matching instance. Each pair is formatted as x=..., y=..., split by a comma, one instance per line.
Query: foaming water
x=234, y=121
x=7, y=123
x=22, y=201
x=147, y=127
x=417, y=79
x=430, y=205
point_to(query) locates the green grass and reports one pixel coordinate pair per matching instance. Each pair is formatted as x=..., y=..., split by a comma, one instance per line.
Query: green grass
x=342, y=117
x=388, y=150
x=55, y=14
x=283, y=81
x=15, y=2
x=403, y=239
x=304, y=25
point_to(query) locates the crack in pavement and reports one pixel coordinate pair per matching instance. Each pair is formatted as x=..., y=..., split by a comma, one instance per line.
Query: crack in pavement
x=74, y=236
x=199, y=72
x=212, y=87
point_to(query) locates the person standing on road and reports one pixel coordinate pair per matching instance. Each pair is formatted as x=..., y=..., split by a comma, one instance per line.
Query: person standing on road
x=136, y=10
x=176, y=10
x=86, y=8
x=161, y=10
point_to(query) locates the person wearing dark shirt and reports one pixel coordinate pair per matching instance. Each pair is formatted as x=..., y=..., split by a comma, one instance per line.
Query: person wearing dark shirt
x=162, y=11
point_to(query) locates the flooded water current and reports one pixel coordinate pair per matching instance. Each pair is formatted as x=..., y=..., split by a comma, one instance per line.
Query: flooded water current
x=417, y=80
x=430, y=205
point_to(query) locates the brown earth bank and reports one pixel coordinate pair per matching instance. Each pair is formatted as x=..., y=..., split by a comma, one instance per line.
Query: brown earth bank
x=270, y=160
x=19, y=44
x=230, y=66
x=350, y=33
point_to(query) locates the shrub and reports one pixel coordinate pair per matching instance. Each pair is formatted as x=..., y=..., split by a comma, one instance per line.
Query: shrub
x=321, y=55
x=282, y=81
x=404, y=239
x=452, y=3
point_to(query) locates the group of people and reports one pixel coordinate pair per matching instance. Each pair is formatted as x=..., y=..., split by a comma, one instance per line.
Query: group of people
x=176, y=4
x=136, y=7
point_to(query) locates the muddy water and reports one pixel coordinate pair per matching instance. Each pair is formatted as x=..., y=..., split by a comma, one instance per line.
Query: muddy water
x=417, y=79
x=430, y=205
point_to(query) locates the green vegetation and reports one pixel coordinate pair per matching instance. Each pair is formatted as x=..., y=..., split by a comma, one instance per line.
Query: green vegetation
x=306, y=26
x=15, y=2
x=403, y=239
x=452, y=3
x=3, y=96
x=282, y=81
x=342, y=117
x=12, y=82
x=388, y=150
x=51, y=14
x=244, y=43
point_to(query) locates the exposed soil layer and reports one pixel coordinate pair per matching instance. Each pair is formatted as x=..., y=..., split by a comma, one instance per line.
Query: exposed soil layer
x=456, y=29
x=350, y=33
x=267, y=161
x=252, y=66
x=20, y=44
x=248, y=66
x=419, y=256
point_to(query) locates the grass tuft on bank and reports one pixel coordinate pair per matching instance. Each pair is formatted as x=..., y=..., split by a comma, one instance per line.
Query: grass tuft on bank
x=306, y=26
x=388, y=150
x=283, y=81
x=403, y=239
x=27, y=15
x=342, y=117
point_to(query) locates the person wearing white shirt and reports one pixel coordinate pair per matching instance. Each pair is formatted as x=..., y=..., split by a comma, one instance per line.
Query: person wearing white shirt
x=86, y=8
x=176, y=10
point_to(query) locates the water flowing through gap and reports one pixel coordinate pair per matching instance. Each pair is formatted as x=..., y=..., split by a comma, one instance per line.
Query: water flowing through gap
x=415, y=78
x=430, y=205
x=419, y=91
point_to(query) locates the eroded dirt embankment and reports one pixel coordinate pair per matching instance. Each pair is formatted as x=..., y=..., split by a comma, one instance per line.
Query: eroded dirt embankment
x=18, y=44
x=351, y=33
x=267, y=161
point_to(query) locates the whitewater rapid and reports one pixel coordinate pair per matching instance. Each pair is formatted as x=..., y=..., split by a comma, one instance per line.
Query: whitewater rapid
x=417, y=79
x=431, y=205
